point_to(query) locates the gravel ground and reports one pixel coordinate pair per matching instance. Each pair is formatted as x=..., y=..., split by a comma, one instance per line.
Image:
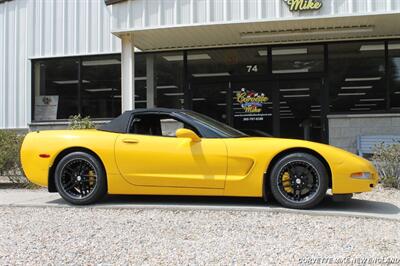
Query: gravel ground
x=389, y=195
x=87, y=236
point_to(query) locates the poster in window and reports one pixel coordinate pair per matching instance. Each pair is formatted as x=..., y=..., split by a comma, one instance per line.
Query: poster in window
x=46, y=107
x=252, y=105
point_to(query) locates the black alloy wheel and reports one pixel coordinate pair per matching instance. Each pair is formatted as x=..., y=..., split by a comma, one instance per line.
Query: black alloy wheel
x=299, y=181
x=80, y=178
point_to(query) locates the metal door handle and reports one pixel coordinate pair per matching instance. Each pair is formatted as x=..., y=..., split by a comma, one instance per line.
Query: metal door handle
x=130, y=141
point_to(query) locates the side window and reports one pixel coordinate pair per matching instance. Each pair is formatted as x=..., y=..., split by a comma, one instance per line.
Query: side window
x=157, y=125
x=169, y=126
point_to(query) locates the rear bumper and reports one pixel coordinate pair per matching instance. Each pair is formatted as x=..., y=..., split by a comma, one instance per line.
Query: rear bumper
x=35, y=168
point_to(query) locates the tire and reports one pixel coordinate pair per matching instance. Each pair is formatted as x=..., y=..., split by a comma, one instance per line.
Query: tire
x=80, y=178
x=299, y=181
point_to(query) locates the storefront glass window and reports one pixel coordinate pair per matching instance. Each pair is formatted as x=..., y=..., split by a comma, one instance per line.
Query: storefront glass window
x=101, y=86
x=90, y=86
x=169, y=76
x=297, y=59
x=141, y=80
x=357, y=77
x=394, y=78
x=212, y=74
x=55, y=89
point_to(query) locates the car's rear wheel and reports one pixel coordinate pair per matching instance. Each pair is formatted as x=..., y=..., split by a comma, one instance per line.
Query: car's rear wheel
x=80, y=178
x=299, y=181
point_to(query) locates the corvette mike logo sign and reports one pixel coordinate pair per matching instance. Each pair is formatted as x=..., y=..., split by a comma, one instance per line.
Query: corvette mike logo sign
x=303, y=5
x=250, y=101
x=252, y=105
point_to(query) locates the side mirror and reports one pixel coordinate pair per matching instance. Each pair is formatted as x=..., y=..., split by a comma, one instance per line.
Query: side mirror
x=187, y=133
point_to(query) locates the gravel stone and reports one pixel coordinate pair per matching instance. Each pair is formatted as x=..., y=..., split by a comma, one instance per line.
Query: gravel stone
x=87, y=236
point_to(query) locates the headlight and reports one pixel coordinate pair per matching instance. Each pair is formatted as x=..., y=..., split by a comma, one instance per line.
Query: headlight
x=361, y=175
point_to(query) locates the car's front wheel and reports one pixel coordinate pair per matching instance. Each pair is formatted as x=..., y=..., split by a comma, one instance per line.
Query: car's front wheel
x=299, y=181
x=80, y=178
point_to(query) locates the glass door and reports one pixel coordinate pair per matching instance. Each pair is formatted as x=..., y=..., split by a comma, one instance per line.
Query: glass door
x=211, y=97
x=254, y=106
x=300, y=109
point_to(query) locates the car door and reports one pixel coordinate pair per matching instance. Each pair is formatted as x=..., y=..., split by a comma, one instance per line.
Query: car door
x=153, y=156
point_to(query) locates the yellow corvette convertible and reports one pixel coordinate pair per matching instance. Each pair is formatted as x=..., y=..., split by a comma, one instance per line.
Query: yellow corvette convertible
x=178, y=152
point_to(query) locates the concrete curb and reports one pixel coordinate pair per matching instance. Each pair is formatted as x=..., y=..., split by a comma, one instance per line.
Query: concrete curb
x=352, y=208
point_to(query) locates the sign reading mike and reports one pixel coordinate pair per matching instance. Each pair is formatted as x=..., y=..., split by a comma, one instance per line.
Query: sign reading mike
x=303, y=5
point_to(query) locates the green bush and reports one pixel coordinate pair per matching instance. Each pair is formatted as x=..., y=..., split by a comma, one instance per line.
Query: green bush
x=387, y=161
x=79, y=122
x=10, y=165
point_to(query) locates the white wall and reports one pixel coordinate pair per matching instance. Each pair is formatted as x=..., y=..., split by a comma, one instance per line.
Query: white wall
x=45, y=28
x=145, y=14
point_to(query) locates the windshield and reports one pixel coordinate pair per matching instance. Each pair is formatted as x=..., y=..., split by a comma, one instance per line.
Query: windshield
x=223, y=129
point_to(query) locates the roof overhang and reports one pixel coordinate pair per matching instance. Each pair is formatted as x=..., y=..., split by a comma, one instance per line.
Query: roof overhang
x=293, y=30
x=108, y=2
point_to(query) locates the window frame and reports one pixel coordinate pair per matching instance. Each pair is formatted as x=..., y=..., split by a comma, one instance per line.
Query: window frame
x=161, y=114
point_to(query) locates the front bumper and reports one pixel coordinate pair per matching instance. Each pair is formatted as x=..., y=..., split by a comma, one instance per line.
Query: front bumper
x=344, y=183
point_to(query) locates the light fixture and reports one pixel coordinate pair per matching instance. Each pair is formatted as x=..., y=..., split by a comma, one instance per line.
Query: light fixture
x=198, y=99
x=167, y=87
x=361, y=175
x=100, y=90
x=223, y=92
x=174, y=94
x=117, y=96
x=302, y=32
x=357, y=88
x=363, y=79
x=172, y=58
x=372, y=100
x=62, y=82
x=315, y=110
x=221, y=104
x=202, y=75
x=104, y=62
x=295, y=51
x=397, y=92
x=296, y=96
x=288, y=71
x=379, y=47
x=315, y=106
x=141, y=101
x=141, y=78
x=360, y=109
x=352, y=94
x=295, y=89
x=365, y=104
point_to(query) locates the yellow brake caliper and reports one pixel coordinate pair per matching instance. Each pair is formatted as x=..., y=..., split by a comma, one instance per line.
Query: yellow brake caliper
x=286, y=183
x=91, y=175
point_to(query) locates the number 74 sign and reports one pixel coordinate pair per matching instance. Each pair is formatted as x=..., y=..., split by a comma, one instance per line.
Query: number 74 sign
x=252, y=68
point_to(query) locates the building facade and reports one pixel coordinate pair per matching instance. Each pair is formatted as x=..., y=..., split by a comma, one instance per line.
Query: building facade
x=322, y=70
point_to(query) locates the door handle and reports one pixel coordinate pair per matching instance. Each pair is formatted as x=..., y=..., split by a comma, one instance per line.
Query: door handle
x=130, y=141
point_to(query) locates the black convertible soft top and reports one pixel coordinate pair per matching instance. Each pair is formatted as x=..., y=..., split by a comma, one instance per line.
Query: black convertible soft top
x=120, y=123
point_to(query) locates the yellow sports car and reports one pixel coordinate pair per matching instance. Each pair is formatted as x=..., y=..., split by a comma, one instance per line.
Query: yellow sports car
x=178, y=152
